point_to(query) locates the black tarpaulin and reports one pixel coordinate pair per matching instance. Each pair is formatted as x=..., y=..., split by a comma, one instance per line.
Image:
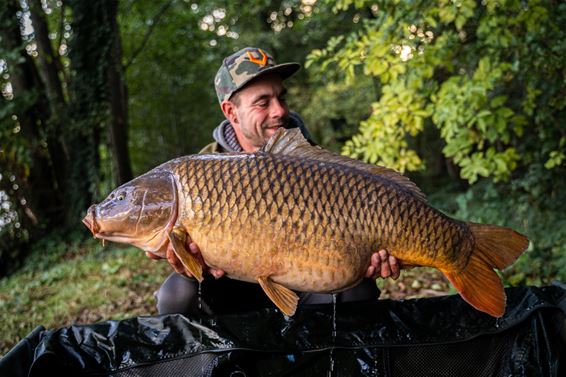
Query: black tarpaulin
x=441, y=336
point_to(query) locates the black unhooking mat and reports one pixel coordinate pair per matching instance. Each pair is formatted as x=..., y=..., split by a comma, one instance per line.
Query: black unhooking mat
x=440, y=336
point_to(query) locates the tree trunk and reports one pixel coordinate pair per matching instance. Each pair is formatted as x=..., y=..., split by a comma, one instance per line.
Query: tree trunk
x=47, y=59
x=88, y=51
x=39, y=188
x=49, y=72
x=118, y=94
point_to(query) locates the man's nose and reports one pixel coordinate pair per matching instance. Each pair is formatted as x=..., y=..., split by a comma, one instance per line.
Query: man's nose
x=278, y=108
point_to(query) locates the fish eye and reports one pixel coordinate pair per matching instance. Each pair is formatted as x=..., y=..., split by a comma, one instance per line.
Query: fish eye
x=121, y=197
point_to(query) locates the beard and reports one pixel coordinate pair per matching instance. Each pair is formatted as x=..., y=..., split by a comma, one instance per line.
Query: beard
x=282, y=122
x=259, y=136
x=269, y=129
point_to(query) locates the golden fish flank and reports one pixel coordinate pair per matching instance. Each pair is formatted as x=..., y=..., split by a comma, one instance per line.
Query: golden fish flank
x=294, y=216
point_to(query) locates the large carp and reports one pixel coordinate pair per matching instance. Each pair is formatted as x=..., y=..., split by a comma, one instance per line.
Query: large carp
x=298, y=217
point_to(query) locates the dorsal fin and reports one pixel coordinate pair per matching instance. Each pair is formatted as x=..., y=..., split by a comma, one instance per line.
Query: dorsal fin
x=291, y=142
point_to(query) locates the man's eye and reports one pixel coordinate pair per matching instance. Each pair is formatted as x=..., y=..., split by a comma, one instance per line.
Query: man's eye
x=262, y=104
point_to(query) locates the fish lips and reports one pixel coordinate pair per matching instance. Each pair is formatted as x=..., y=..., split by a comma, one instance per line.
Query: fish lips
x=90, y=221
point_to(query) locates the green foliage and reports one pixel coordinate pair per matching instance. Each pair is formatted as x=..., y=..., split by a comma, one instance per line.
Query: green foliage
x=490, y=76
x=540, y=218
x=332, y=113
x=67, y=281
x=49, y=139
x=556, y=157
x=172, y=104
x=442, y=88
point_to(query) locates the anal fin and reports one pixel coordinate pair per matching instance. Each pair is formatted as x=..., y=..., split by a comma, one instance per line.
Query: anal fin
x=284, y=298
x=178, y=238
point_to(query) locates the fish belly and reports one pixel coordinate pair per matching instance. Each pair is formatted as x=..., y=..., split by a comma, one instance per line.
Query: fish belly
x=308, y=268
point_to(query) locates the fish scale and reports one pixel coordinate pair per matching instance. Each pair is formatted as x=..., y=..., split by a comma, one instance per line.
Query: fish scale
x=295, y=216
x=350, y=225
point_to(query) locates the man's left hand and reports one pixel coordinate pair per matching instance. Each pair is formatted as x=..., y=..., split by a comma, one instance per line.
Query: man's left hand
x=383, y=265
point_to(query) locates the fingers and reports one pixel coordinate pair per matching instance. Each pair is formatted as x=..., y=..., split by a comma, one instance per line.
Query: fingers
x=385, y=268
x=370, y=273
x=374, y=267
x=176, y=262
x=395, y=270
x=216, y=272
x=383, y=265
x=194, y=248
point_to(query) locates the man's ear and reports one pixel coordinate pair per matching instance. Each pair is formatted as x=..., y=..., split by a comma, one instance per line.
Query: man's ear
x=229, y=110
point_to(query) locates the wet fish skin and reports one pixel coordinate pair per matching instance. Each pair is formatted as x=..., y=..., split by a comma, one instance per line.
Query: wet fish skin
x=309, y=225
x=298, y=217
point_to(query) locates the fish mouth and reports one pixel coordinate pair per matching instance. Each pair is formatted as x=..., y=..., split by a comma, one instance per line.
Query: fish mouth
x=90, y=221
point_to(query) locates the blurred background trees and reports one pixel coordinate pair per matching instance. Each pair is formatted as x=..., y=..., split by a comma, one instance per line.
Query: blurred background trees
x=467, y=97
x=470, y=90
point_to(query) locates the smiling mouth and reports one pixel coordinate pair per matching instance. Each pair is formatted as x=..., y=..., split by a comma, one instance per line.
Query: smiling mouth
x=273, y=128
x=276, y=125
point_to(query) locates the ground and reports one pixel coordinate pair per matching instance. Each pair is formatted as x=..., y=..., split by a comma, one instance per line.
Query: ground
x=414, y=283
x=89, y=284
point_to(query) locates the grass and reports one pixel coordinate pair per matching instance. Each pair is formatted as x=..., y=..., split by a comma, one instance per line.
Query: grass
x=85, y=284
x=82, y=283
x=65, y=283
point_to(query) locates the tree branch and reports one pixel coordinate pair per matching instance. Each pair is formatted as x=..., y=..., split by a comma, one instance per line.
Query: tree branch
x=154, y=22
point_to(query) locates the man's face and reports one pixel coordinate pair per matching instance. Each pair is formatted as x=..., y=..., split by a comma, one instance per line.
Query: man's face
x=260, y=111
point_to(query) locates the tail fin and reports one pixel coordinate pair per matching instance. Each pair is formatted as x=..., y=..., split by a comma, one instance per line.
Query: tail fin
x=498, y=246
x=478, y=284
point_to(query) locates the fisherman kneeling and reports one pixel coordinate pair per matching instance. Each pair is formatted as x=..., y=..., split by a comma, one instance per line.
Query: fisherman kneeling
x=249, y=86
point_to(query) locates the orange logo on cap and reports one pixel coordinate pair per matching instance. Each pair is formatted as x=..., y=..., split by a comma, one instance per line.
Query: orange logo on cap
x=262, y=61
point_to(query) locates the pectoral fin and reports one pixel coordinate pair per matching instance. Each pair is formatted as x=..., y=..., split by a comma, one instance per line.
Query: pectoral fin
x=284, y=298
x=178, y=238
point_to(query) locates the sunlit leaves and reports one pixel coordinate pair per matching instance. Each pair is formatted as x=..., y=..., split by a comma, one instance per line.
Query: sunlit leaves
x=476, y=71
x=456, y=11
x=471, y=122
x=381, y=137
x=557, y=157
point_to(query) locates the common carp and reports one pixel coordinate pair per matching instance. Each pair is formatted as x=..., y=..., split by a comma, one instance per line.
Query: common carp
x=297, y=217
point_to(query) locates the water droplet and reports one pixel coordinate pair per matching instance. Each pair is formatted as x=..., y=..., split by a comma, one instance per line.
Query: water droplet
x=330, y=372
x=200, y=320
x=334, y=317
x=375, y=363
x=199, y=296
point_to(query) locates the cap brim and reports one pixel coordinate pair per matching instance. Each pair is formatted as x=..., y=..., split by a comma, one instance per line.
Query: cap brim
x=285, y=70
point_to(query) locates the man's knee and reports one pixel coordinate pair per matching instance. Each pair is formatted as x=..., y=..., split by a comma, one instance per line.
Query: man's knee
x=177, y=294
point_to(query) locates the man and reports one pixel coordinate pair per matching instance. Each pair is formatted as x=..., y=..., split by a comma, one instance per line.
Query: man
x=249, y=86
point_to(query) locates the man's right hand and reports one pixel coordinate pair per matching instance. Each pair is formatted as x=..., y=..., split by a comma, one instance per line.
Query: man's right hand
x=178, y=265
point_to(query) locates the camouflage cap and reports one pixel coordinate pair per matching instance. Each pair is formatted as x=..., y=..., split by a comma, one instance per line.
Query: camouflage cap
x=245, y=65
